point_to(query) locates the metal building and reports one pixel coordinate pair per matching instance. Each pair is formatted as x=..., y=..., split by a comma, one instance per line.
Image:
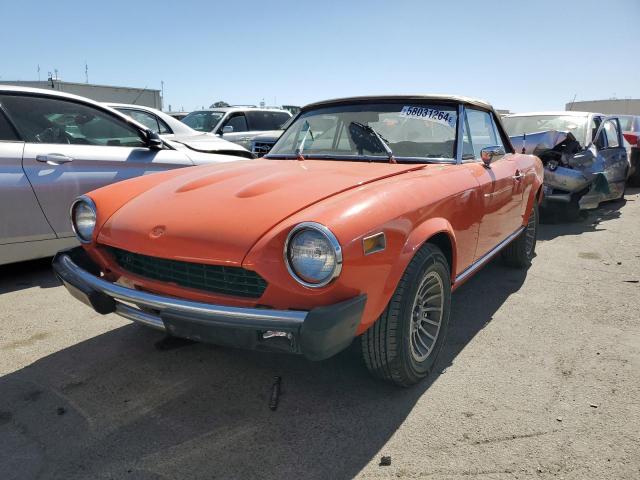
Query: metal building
x=623, y=106
x=101, y=93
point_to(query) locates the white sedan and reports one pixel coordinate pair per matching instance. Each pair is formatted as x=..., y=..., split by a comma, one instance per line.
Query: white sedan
x=175, y=131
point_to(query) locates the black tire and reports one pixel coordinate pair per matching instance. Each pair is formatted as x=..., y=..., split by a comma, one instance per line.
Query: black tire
x=389, y=347
x=634, y=179
x=520, y=252
x=571, y=212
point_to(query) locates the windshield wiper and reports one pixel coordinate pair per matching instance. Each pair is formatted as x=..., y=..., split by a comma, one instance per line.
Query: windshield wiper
x=381, y=140
x=300, y=148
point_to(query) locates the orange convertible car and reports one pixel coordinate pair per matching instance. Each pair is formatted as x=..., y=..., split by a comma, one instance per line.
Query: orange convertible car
x=361, y=221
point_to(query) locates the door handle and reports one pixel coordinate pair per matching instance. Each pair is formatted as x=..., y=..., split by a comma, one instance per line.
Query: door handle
x=518, y=176
x=54, y=159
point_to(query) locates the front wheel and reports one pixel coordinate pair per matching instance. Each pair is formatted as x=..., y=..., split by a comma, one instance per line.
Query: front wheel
x=404, y=343
x=521, y=251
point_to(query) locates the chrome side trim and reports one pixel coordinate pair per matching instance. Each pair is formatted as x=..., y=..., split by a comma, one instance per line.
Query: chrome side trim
x=218, y=314
x=493, y=194
x=474, y=267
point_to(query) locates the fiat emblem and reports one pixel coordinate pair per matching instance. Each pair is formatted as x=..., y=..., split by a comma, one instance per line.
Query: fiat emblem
x=157, y=231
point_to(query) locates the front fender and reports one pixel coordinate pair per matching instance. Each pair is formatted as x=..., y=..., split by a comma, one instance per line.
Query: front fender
x=416, y=239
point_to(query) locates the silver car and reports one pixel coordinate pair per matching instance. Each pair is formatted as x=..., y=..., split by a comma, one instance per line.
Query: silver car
x=583, y=154
x=54, y=147
x=237, y=124
x=171, y=129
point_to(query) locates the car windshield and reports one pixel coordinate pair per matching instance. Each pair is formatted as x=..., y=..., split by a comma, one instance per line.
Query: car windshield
x=262, y=120
x=516, y=126
x=203, y=121
x=413, y=132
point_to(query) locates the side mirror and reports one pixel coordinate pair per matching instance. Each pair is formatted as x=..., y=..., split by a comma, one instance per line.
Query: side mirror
x=491, y=154
x=154, y=142
x=227, y=129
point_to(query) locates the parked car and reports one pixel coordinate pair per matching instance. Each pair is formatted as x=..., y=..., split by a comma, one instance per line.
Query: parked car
x=178, y=115
x=55, y=146
x=630, y=125
x=583, y=153
x=262, y=144
x=171, y=129
x=237, y=124
x=361, y=221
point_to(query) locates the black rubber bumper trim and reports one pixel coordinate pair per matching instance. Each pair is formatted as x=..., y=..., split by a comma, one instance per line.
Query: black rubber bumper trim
x=99, y=301
x=328, y=330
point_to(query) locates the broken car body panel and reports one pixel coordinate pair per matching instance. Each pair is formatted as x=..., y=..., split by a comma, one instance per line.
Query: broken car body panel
x=586, y=163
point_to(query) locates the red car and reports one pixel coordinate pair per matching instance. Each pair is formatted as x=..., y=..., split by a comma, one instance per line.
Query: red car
x=630, y=125
x=361, y=221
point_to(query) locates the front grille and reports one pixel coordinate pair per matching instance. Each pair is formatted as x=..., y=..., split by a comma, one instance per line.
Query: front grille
x=262, y=148
x=211, y=278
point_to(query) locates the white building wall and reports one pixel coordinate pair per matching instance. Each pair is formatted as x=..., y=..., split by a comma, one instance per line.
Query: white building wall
x=99, y=93
x=621, y=106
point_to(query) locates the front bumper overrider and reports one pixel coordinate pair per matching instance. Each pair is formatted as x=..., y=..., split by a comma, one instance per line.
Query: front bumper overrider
x=318, y=333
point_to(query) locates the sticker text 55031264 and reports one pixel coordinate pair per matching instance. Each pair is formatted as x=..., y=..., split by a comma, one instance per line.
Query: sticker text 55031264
x=431, y=114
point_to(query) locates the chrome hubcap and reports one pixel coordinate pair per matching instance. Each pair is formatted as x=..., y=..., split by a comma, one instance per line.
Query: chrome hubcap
x=530, y=233
x=426, y=316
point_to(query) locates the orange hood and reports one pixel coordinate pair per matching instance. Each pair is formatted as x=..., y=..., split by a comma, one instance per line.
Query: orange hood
x=215, y=214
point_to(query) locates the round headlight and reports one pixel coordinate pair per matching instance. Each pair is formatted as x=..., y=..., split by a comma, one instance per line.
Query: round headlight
x=313, y=255
x=83, y=218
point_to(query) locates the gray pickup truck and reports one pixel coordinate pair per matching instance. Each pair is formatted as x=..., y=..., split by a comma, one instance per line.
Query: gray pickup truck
x=238, y=124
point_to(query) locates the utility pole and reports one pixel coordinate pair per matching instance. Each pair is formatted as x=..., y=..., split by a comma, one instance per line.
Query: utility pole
x=38, y=72
x=86, y=72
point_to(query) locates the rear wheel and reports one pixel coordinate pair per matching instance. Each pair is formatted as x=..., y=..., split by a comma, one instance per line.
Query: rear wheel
x=521, y=251
x=634, y=179
x=404, y=343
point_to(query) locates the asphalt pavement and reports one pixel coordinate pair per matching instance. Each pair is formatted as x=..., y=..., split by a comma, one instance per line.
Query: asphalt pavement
x=539, y=378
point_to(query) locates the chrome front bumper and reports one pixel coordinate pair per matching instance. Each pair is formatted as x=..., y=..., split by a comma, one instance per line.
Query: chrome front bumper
x=318, y=333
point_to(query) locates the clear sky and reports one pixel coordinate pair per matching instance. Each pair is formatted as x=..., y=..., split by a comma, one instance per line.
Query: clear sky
x=521, y=56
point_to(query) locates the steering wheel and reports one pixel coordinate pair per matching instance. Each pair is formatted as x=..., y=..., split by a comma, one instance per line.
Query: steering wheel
x=53, y=135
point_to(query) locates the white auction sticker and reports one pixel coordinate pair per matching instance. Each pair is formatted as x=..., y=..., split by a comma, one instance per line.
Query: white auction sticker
x=430, y=114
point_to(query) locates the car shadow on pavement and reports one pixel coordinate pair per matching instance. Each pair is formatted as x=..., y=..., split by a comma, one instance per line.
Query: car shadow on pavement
x=590, y=221
x=18, y=276
x=115, y=406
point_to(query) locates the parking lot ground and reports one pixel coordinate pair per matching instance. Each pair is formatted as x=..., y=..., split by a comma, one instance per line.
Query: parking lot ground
x=539, y=378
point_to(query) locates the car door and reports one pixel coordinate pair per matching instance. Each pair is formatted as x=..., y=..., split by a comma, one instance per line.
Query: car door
x=237, y=129
x=501, y=184
x=21, y=219
x=72, y=147
x=616, y=163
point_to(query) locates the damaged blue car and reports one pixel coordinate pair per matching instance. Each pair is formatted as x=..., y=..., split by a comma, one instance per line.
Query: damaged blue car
x=584, y=156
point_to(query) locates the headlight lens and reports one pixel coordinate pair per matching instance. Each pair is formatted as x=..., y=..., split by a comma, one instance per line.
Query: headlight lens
x=313, y=254
x=83, y=218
